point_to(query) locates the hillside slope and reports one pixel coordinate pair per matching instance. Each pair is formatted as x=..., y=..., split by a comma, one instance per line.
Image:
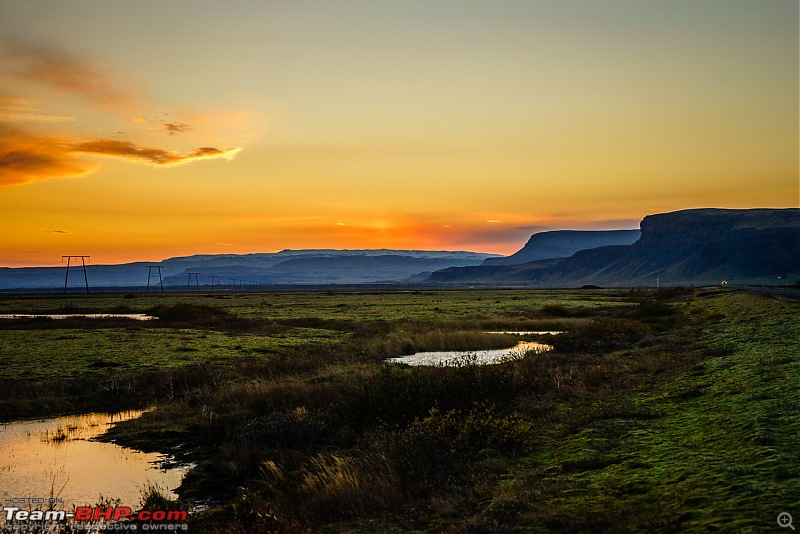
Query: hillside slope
x=698, y=246
x=565, y=243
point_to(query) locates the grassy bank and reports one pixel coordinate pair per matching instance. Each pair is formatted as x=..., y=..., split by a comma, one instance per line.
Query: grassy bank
x=670, y=410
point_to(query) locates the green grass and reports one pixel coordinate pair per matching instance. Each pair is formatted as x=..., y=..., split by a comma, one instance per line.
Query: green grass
x=62, y=353
x=716, y=449
x=663, y=411
x=361, y=306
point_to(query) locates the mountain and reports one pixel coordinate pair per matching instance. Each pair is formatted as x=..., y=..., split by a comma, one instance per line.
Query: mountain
x=350, y=269
x=284, y=267
x=699, y=246
x=565, y=243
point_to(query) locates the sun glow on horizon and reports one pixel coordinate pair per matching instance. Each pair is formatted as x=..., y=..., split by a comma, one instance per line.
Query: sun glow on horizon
x=453, y=126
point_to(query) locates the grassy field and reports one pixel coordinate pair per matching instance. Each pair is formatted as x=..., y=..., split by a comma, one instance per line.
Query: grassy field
x=661, y=410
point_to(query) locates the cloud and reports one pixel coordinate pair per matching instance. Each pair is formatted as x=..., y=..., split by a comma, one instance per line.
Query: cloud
x=154, y=156
x=12, y=103
x=58, y=232
x=65, y=73
x=173, y=128
x=13, y=109
x=25, y=158
x=32, y=146
x=23, y=117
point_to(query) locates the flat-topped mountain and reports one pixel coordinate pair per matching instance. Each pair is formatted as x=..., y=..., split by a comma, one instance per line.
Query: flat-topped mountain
x=565, y=243
x=699, y=246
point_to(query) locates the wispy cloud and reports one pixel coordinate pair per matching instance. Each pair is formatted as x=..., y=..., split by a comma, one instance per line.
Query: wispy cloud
x=63, y=72
x=31, y=117
x=58, y=232
x=12, y=103
x=13, y=109
x=154, y=156
x=32, y=150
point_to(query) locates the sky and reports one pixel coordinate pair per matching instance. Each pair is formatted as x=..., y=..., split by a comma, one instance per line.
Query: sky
x=137, y=131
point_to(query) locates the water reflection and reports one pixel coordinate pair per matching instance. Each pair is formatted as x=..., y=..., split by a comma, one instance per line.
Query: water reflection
x=471, y=357
x=134, y=316
x=56, y=458
x=529, y=332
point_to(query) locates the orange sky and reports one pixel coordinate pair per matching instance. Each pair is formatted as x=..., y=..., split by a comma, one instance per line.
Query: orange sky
x=144, y=130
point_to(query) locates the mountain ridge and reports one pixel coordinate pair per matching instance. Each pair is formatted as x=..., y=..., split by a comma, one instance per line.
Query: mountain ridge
x=255, y=267
x=565, y=243
x=699, y=246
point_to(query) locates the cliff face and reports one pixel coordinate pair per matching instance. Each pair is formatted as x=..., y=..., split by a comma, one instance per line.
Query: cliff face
x=565, y=243
x=700, y=226
x=685, y=247
x=728, y=243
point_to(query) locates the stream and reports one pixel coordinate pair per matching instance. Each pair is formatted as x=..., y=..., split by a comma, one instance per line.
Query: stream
x=58, y=462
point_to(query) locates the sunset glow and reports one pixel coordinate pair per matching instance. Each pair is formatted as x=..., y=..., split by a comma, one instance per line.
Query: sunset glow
x=144, y=130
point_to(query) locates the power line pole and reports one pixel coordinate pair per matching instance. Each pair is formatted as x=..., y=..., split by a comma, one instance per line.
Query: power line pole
x=83, y=264
x=196, y=280
x=150, y=275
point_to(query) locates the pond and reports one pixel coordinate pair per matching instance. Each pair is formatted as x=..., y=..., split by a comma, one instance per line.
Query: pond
x=471, y=357
x=529, y=332
x=58, y=458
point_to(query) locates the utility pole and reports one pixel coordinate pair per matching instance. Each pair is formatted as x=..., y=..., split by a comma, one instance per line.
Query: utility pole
x=83, y=264
x=196, y=280
x=150, y=275
x=216, y=281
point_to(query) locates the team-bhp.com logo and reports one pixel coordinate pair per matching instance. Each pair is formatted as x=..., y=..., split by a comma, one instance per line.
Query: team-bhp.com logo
x=152, y=520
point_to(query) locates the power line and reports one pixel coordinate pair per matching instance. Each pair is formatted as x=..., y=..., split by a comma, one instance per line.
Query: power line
x=83, y=265
x=150, y=275
x=196, y=280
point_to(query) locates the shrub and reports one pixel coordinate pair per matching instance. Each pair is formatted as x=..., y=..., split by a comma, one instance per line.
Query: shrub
x=557, y=310
x=654, y=310
x=602, y=334
x=181, y=312
x=332, y=486
x=443, y=445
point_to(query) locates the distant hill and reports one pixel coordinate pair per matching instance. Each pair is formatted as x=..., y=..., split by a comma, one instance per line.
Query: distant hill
x=339, y=269
x=698, y=246
x=284, y=267
x=565, y=243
